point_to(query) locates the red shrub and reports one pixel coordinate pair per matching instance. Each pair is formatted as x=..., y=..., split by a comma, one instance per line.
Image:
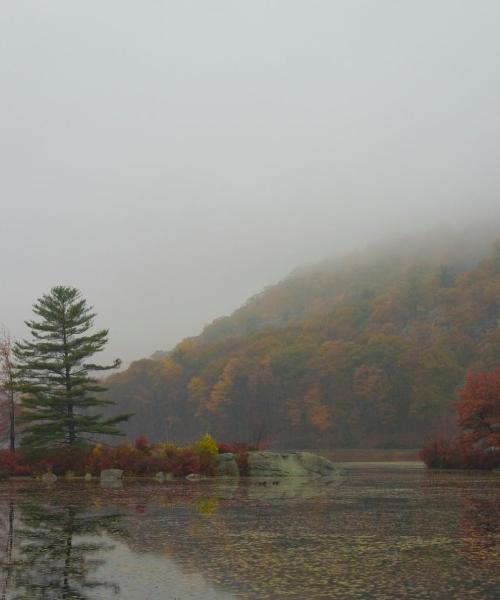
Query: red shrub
x=141, y=443
x=225, y=448
x=207, y=464
x=439, y=453
x=134, y=459
x=12, y=464
x=457, y=454
x=183, y=462
x=240, y=450
x=62, y=461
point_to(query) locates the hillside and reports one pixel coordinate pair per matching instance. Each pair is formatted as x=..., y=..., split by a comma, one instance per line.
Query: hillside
x=365, y=351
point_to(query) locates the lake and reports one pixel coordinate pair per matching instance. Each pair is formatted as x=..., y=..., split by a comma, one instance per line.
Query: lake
x=382, y=531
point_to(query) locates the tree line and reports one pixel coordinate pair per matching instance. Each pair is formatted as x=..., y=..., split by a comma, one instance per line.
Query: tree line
x=365, y=355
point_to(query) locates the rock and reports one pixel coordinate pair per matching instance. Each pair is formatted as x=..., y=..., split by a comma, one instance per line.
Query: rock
x=88, y=477
x=111, y=475
x=290, y=464
x=49, y=477
x=160, y=477
x=226, y=465
x=195, y=477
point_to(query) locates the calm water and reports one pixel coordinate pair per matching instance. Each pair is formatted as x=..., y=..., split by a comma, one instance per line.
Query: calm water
x=383, y=531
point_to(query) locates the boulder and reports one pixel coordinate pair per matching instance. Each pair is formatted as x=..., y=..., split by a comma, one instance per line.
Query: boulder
x=226, y=465
x=195, y=477
x=49, y=477
x=160, y=477
x=111, y=475
x=88, y=477
x=289, y=464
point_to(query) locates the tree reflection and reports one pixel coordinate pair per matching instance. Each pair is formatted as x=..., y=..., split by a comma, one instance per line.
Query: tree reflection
x=480, y=531
x=7, y=528
x=59, y=552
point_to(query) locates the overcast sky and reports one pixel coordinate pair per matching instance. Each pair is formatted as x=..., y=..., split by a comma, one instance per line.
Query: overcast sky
x=170, y=159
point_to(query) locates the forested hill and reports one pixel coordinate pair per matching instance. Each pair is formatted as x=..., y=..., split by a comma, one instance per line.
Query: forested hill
x=366, y=351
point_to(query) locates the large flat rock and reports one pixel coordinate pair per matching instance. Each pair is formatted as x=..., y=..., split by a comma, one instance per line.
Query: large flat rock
x=289, y=464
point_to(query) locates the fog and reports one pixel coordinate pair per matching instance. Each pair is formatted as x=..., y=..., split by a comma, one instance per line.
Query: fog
x=172, y=158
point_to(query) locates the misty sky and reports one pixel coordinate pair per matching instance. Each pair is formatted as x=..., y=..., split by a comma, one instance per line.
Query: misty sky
x=170, y=159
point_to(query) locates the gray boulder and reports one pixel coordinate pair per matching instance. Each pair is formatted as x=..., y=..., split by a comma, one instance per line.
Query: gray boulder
x=111, y=475
x=160, y=477
x=226, y=465
x=49, y=477
x=289, y=464
x=195, y=477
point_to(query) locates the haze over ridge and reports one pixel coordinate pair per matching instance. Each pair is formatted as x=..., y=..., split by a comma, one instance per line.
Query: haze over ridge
x=170, y=160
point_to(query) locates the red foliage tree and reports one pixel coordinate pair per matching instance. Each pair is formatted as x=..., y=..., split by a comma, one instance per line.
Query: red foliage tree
x=477, y=445
x=479, y=411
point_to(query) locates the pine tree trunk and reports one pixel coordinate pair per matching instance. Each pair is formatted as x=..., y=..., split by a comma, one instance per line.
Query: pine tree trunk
x=71, y=427
x=12, y=424
x=71, y=422
x=69, y=403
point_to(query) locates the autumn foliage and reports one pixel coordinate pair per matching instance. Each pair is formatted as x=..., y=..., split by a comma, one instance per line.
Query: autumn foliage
x=138, y=459
x=479, y=410
x=477, y=443
x=366, y=353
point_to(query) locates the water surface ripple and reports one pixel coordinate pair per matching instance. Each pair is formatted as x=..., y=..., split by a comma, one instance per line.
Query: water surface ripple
x=382, y=531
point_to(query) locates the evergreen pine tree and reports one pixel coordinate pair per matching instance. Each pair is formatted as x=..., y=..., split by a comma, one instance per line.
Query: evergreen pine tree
x=58, y=395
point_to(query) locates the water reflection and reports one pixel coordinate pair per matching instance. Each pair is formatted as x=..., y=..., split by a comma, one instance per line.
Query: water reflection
x=380, y=533
x=58, y=539
x=7, y=534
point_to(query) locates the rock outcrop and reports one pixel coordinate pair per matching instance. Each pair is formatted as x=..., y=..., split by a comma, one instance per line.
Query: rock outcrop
x=226, y=465
x=289, y=464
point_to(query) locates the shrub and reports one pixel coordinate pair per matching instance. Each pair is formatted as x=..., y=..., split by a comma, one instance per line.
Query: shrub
x=63, y=460
x=12, y=464
x=207, y=464
x=141, y=443
x=439, y=453
x=164, y=448
x=138, y=459
x=224, y=448
x=240, y=450
x=206, y=445
x=183, y=462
